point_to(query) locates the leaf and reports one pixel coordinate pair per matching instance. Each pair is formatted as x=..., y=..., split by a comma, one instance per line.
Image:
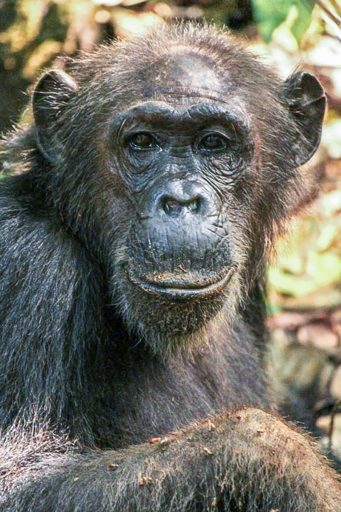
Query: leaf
x=324, y=269
x=269, y=15
x=303, y=18
x=291, y=285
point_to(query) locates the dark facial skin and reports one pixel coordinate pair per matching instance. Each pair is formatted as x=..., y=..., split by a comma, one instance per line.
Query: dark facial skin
x=171, y=159
x=180, y=158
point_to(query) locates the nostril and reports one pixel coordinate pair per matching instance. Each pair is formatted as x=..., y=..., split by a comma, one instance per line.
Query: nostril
x=171, y=206
x=194, y=205
x=174, y=208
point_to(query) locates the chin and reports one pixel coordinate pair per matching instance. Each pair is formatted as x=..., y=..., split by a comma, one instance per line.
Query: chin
x=174, y=317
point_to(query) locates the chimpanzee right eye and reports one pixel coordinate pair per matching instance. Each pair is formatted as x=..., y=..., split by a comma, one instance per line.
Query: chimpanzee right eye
x=142, y=141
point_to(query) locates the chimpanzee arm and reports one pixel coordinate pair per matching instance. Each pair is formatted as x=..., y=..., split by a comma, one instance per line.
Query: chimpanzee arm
x=242, y=461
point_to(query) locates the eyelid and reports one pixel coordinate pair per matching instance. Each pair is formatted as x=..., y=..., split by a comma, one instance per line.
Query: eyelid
x=218, y=133
x=229, y=132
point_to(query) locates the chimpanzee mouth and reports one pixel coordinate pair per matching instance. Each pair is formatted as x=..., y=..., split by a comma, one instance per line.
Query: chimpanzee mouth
x=184, y=287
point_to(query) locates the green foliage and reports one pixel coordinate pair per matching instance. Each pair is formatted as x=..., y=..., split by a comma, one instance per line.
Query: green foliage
x=308, y=265
x=296, y=13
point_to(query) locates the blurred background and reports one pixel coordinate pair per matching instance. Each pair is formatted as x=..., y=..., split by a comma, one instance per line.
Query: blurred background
x=304, y=298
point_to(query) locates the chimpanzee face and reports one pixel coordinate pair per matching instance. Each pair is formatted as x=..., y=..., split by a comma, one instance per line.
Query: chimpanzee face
x=182, y=157
x=191, y=168
x=181, y=163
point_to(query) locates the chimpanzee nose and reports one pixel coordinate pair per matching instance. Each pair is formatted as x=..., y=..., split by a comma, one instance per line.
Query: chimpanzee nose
x=181, y=198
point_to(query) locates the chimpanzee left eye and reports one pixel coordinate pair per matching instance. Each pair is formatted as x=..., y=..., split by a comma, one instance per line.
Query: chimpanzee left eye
x=213, y=142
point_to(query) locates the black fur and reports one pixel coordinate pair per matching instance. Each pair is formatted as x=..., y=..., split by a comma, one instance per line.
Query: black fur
x=89, y=370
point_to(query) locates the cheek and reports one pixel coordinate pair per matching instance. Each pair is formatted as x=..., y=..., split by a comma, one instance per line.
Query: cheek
x=239, y=216
x=135, y=170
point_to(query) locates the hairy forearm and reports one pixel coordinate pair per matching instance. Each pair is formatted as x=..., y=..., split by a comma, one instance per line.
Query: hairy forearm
x=180, y=472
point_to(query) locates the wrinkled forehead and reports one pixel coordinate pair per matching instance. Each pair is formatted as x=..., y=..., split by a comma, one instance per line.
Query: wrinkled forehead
x=184, y=74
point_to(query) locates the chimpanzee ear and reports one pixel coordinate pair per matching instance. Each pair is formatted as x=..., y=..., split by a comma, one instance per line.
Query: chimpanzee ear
x=307, y=103
x=50, y=97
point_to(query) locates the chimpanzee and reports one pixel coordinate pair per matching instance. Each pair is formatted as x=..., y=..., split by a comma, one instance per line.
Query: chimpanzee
x=134, y=234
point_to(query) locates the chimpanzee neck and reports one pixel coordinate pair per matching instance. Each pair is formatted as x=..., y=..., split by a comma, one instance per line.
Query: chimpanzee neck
x=147, y=396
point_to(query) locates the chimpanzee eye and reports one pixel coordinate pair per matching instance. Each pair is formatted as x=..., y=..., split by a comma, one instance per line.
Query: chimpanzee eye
x=213, y=142
x=142, y=141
